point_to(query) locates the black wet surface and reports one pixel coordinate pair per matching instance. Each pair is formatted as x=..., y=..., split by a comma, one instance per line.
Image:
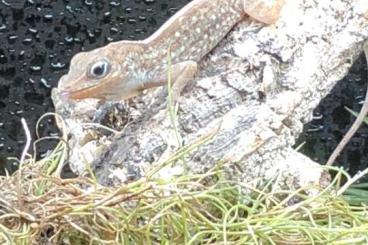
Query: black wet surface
x=38, y=39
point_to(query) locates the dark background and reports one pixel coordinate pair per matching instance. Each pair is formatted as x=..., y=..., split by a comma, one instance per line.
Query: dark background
x=38, y=39
x=332, y=121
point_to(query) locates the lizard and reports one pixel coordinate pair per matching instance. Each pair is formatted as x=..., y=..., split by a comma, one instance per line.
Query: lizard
x=123, y=69
x=356, y=124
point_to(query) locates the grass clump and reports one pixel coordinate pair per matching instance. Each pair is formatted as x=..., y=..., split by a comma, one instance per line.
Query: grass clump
x=183, y=210
x=39, y=207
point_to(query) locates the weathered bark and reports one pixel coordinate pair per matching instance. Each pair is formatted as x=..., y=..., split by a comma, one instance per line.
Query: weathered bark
x=250, y=100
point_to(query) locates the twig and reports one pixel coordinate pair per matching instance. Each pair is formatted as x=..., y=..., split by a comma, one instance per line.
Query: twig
x=351, y=181
x=24, y=153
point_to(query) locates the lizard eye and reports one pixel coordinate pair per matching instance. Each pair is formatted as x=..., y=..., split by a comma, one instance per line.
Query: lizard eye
x=99, y=69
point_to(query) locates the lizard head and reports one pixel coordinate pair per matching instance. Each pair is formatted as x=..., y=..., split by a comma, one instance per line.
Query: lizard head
x=104, y=73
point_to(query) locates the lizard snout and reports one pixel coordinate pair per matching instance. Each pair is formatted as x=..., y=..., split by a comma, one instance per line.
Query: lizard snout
x=63, y=91
x=64, y=95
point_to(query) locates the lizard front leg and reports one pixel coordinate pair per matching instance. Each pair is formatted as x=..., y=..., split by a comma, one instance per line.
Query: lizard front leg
x=179, y=73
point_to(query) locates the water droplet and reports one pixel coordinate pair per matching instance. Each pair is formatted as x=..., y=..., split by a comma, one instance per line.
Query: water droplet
x=57, y=65
x=5, y=3
x=90, y=33
x=68, y=39
x=21, y=54
x=114, y=3
x=12, y=39
x=314, y=128
x=3, y=59
x=32, y=30
x=45, y=83
x=35, y=68
x=149, y=1
x=69, y=8
x=317, y=116
x=27, y=41
x=88, y=2
x=14, y=4
x=3, y=28
x=114, y=30
x=132, y=21
x=54, y=134
x=48, y=17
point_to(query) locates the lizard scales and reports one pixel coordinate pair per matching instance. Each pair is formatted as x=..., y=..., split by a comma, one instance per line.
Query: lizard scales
x=121, y=70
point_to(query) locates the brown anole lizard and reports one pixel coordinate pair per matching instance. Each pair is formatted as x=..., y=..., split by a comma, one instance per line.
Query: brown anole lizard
x=123, y=69
x=358, y=121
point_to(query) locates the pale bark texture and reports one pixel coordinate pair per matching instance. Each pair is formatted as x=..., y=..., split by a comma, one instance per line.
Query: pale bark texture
x=245, y=108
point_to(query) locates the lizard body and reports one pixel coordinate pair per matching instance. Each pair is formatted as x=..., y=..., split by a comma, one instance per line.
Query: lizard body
x=357, y=123
x=121, y=70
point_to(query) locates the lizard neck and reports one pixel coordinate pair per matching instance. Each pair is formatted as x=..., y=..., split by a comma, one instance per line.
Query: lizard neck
x=193, y=31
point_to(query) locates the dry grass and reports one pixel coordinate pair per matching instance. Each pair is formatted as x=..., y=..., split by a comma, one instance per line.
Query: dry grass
x=185, y=210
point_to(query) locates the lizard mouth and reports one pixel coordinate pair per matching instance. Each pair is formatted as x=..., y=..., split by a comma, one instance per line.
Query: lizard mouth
x=72, y=90
x=83, y=93
x=66, y=93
